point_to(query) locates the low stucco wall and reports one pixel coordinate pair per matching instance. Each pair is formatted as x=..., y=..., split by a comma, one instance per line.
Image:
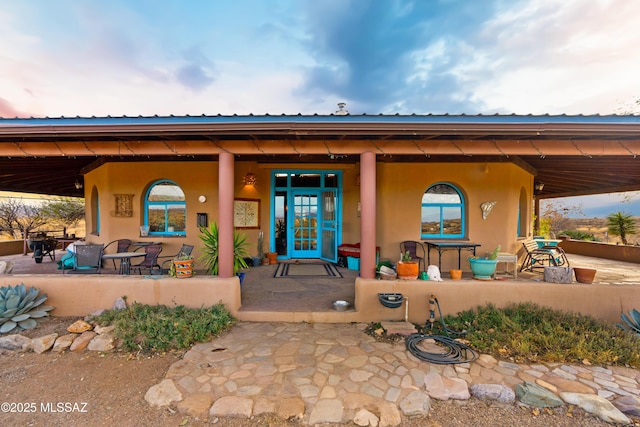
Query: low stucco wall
x=624, y=253
x=79, y=295
x=11, y=247
x=604, y=302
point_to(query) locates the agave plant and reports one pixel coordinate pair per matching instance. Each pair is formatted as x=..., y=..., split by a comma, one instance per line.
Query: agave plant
x=632, y=321
x=20, y=307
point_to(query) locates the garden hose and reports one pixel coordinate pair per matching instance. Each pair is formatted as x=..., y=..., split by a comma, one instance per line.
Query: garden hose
x=455, y=352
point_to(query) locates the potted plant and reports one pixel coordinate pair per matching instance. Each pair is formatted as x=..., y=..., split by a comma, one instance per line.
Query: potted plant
x=209, y=237
x=483, y=268
x=407, y=269
x=181, y=266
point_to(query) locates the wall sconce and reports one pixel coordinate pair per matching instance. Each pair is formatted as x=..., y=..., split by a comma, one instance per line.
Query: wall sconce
x=485, y=169
x=78, y=184
x=250, y=179
x=538, y=186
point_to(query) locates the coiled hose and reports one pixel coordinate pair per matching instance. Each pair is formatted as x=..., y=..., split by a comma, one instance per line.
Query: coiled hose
x=453, y=351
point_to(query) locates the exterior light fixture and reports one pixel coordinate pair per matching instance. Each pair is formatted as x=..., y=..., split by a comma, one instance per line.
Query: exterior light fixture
x=78, y=184
x=250, y=179
x=538, y=186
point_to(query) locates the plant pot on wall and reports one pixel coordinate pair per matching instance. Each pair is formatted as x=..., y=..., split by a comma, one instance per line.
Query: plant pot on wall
x=183, y=268
x=483, y=268
x=407, y=270
x=584, y=275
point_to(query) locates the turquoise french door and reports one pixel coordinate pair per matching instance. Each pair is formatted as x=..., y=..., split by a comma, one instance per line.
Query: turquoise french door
x=306, y=214
x=314, y=224
x=305, y=223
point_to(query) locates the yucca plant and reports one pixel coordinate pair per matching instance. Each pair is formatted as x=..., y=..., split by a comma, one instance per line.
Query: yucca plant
x=20, y=307
x=631, y=321
x=209, y=237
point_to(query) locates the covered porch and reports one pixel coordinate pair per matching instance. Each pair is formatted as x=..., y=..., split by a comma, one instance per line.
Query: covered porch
x=263, y=297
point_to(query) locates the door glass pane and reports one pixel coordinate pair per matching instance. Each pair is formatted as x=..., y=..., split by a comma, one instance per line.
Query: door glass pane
x=281, y=222
x=311, y=180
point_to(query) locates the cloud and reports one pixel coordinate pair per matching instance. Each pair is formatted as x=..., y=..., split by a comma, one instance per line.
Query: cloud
x=8, y=111
x=375, y=55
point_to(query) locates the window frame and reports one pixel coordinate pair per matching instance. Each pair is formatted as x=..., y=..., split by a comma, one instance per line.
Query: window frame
x=167, y=205
x=441, y=207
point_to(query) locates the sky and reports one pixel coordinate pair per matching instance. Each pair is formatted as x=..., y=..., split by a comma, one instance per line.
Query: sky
x=143, y=57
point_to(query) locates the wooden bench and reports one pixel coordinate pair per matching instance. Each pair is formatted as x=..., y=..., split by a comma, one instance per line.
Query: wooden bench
x=540, y=257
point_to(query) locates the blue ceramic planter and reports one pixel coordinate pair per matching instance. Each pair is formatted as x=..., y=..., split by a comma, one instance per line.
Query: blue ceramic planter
x=483, y=268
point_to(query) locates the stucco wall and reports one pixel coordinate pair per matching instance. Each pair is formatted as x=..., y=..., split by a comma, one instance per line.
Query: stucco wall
x=78, y=295
x=400, y=190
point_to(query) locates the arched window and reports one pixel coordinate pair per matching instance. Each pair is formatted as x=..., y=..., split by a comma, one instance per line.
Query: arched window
x=165, y=209
x=442, y=212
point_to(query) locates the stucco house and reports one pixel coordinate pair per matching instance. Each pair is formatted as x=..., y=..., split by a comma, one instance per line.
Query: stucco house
x=313, y=182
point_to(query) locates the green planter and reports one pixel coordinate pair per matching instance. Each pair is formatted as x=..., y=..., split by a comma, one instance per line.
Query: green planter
x=483, y=268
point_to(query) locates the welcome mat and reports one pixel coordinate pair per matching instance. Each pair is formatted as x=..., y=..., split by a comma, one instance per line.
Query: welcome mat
x=315, y=269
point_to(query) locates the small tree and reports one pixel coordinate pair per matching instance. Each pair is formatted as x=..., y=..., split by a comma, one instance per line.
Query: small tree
x=621, y=224
x=67, y=211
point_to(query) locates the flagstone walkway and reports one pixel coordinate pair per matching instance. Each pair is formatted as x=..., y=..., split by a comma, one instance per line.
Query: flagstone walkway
x=331, y=373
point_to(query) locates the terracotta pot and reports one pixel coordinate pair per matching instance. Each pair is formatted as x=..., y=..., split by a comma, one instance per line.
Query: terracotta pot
x=265, y=260
x=455, y=274
x=584, y=275
x=273, y=257
x=407, y=270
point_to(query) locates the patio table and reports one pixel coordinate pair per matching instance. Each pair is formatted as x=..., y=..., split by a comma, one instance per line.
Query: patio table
x=546, y=242
x=447, y=246
x=125, y=260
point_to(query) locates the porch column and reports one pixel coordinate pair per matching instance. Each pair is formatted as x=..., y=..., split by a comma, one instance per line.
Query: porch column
x=367, y=215
x=225, y=215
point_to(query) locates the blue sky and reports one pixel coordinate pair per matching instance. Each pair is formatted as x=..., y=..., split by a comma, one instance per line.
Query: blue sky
x=143, y=57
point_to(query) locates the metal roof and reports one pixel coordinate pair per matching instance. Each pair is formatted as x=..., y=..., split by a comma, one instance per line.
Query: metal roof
x=571, y=154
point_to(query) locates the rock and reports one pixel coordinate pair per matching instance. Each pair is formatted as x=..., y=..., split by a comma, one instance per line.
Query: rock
x=119, y=304
x=163, y=394
x=100, y=330
x=366, y=418
x=6, y=267
x=232, y=406
x=538, y=396
x=326, y=411
x=596, y=405
x=79, y=326
x=498, y=392
x=443, y=388
x=555, y=274
x=292, y=407
x=629, y=405
x=389, y=415
x=63, y=342
x=102, y=343
x=196, y=405
x=15, y=342
x=44, y=343
x=94, y=314
x=82, y=341
x=416, y=403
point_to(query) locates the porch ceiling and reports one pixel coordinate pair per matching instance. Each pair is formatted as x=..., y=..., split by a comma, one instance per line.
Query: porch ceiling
x=571, y=157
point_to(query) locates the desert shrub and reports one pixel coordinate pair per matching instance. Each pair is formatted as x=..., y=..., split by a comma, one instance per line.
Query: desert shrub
x=580, y=235
x=160, y=328
x=529, y=333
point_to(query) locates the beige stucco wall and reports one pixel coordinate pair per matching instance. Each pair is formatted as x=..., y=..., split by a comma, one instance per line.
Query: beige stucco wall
x=402, y=185
x=79, y=295
x=400, y=190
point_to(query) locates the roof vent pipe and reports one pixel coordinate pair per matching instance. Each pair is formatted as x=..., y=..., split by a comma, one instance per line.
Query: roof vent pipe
x=341, y=111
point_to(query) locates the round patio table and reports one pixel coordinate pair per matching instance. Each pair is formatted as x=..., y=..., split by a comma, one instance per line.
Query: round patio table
x=125, y=260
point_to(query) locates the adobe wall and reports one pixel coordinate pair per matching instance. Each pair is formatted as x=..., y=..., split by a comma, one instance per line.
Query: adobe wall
x=79, y=295
x=624, y=253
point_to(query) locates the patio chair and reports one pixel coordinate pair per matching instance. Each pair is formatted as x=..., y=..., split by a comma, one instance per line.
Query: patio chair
x=150, y=260
x=166, y=259
x=416, y=251
x=540, y=257
x=122, y=245
x=87, y=260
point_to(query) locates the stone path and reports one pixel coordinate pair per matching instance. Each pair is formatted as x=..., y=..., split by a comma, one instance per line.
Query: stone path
x=332, y=373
